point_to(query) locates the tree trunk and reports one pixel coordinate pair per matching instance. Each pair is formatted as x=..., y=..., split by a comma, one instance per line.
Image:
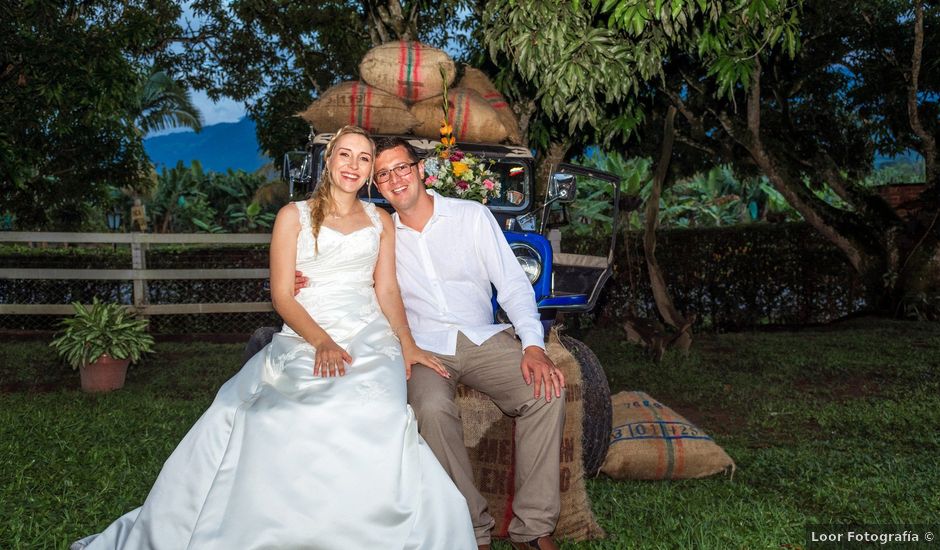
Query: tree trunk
x=927, y=141
x=387, y=21
x=543, y=170
x=664, y=303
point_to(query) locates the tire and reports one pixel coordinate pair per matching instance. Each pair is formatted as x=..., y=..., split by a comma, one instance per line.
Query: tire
x=596, y=400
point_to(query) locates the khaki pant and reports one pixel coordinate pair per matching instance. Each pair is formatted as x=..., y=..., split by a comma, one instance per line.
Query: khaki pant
x=494, y=369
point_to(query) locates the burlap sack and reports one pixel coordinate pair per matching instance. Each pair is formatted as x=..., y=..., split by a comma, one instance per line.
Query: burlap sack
x=650, y=441
x=362, y=105
x=476, y=80
x=488, y=434
x=470, y=115
x=408, y=70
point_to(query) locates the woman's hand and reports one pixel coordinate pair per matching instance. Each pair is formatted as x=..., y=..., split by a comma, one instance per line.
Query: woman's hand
x=413, y=355
x=331, y=359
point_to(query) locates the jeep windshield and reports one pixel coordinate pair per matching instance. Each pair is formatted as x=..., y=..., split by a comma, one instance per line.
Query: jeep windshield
x=512, y=164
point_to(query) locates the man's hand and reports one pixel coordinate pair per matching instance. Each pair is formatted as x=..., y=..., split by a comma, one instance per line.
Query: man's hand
x=538, y=368
x=299, y=282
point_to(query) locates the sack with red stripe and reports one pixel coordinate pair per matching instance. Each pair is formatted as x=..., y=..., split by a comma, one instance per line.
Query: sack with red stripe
x=409, y=70
x=362, y=105
x=650, y=441
x=489, y=437
x=476, y=80
x=470, y=115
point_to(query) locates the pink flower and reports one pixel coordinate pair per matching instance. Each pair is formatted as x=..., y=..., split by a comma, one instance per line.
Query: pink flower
x=488, y=183
x=429, y=181
x=456, y=156
x=463, y=185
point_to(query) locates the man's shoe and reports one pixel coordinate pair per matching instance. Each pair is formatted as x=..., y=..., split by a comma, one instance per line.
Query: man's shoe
x=541, y=543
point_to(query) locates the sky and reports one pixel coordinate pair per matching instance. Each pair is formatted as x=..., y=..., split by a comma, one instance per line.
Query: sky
x=225, y=110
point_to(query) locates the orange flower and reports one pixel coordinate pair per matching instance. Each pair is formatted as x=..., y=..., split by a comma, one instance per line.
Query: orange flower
x=446, y=129
x=447, y=141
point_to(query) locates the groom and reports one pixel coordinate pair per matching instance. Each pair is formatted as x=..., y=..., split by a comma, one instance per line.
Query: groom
x=449, y=252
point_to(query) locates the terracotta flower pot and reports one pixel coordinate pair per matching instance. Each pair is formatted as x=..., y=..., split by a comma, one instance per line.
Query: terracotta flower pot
x=105, y=374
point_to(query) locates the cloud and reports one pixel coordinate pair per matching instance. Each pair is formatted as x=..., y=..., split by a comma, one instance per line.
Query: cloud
x=224, y=110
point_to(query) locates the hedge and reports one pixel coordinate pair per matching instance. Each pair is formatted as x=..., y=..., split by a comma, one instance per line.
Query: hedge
x=737, y=276
x=730, y=277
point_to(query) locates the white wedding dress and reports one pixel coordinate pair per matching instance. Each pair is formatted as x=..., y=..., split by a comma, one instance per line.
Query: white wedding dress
x=285, y=459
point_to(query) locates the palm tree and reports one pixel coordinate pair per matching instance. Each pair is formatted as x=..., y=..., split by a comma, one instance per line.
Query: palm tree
x=163, y=103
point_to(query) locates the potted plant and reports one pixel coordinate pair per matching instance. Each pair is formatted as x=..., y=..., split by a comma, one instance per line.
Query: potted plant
x=101, y=341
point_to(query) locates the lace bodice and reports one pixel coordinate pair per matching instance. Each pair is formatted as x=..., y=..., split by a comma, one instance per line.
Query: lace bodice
x=342, y=256
x=339, y=269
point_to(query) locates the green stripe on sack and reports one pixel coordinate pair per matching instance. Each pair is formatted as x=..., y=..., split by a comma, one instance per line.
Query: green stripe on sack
x=409, y=83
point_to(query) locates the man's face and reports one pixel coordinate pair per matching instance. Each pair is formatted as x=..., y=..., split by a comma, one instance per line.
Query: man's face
x=401, y=191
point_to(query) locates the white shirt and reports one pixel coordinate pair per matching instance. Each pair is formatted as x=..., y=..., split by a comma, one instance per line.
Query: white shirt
x=445, y=272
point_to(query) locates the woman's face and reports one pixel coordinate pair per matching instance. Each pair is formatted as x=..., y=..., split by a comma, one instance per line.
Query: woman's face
x=350, y=164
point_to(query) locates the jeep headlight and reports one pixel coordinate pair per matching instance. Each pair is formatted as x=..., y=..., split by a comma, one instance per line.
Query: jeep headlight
x=529, y=259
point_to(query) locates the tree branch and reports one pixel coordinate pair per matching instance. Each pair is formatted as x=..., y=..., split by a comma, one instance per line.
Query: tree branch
x=928, y=142
x=816, y=212
x=8, y=71
x=695, y=144
x=698, y=126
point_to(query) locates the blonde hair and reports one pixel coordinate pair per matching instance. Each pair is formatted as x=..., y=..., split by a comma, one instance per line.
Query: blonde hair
x=321, y=199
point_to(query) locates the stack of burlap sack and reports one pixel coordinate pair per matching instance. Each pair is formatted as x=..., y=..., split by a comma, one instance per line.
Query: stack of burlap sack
x=401, y=92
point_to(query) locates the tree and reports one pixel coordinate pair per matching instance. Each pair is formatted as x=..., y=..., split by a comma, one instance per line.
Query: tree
x=278, y=57
x=597, y=69
x=69, y=77
x=816, y=120
x=785, y=90
x=164, y=102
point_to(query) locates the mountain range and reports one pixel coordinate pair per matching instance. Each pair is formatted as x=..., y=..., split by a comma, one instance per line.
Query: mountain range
x=234, y=145
x=218, y=147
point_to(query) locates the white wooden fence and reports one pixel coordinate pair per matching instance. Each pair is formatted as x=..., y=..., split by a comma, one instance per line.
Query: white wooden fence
x=138, y=272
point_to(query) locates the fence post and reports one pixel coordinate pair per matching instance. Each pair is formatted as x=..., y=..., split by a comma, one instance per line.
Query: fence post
x=139, y=262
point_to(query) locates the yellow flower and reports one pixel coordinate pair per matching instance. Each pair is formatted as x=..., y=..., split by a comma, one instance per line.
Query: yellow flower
x=459, y=168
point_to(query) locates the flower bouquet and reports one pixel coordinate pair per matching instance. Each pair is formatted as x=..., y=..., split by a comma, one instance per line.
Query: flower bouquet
x=453, y=173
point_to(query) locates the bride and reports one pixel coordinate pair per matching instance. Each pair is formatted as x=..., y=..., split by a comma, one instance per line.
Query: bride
x=312, y=444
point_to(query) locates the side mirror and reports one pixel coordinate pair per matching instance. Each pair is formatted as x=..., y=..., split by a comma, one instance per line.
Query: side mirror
x=562, y=188
x=297, y=171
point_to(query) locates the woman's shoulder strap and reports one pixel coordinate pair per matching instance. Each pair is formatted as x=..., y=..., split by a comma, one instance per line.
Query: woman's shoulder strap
x=303, y=207
x=373, y=215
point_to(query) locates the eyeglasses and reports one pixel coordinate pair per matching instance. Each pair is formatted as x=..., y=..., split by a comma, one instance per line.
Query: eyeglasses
x=402, y=170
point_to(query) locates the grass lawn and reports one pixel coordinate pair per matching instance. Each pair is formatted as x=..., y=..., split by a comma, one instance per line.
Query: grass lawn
x=830, y=425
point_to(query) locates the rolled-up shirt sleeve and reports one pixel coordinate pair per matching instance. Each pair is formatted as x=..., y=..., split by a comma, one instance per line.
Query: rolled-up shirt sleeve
x=513, y=290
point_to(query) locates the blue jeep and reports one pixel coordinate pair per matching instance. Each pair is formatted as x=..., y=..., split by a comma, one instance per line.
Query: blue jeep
x=563, y=282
